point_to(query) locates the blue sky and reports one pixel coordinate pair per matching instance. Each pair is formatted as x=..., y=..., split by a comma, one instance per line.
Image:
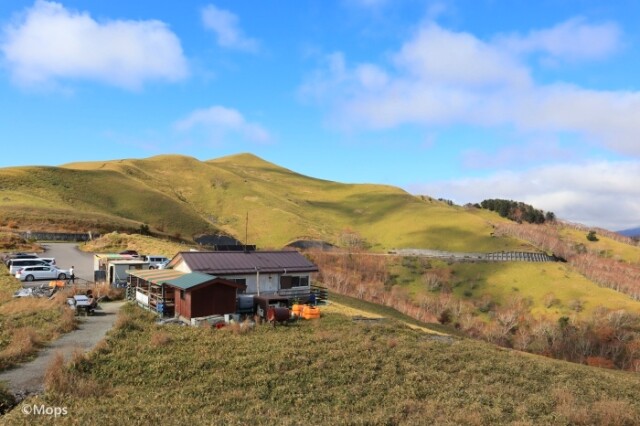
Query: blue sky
x=466, y=100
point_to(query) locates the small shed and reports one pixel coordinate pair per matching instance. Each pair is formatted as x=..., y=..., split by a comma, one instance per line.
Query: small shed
x=201, y=295
x=147, y=288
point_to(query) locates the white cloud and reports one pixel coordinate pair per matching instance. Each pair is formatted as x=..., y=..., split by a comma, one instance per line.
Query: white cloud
x=225, y=25
x=219, y=121
x=48, y=43
x=441, y=77
x=574, y=39
x=604, y=194
x=443, y=57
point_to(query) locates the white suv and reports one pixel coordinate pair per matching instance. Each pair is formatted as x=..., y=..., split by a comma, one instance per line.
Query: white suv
x=41, y=272
x=16, y=264
x=156, y=261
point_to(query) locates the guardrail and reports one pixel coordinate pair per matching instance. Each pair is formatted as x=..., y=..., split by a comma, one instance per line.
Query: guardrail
x=506, y=256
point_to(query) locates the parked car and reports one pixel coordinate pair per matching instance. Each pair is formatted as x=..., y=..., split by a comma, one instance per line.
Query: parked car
x=155, y=261
x=130, y=253
x=41, y=272
x=16, y=256
x=16, y=264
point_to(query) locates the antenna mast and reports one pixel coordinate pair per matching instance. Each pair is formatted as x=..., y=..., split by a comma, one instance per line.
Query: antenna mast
x=246, y=232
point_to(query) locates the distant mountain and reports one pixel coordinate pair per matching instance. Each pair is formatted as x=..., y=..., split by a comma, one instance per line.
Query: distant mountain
x=633, y=232
x=186, y=197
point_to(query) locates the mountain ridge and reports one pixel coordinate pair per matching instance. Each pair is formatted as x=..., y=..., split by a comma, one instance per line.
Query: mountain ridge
x=183, y=196
x=632, y=232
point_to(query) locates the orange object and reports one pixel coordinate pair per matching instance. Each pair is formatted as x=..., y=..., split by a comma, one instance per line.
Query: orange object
x=54, y=284
x=297, y=309
x=310, y=312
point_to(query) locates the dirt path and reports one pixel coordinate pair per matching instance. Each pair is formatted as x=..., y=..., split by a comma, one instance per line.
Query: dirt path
x=353, y=312
x=28, y=378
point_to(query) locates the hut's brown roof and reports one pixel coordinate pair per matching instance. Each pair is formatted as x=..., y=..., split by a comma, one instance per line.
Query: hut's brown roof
x=239, y=262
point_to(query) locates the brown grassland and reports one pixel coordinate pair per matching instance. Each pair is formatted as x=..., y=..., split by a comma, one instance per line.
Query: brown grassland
x=330, y=371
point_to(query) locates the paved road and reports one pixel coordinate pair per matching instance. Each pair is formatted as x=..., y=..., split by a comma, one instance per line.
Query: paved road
x=67, y=255
x=28, y=378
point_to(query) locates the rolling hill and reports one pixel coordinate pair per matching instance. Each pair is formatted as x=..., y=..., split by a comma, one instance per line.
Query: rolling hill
x=182, y=196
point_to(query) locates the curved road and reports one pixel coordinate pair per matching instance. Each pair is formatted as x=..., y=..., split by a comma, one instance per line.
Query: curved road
x=28, y=378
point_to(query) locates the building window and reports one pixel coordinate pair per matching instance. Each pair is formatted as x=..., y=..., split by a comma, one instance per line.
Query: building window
x=287, y=282
x=182, y=292
x=241, y=281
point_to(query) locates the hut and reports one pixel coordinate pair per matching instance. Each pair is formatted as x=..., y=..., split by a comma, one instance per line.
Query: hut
x=186, y=296
x=199, y=295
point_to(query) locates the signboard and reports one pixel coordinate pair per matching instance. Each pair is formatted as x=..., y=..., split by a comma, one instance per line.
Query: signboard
x=142, y=298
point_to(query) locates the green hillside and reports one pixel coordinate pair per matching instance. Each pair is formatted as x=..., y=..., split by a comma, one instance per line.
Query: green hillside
x=182, y=195
x=89, y=199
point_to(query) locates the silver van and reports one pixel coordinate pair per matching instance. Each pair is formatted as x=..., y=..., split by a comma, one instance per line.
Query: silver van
x=155, y=261
x=16, y=264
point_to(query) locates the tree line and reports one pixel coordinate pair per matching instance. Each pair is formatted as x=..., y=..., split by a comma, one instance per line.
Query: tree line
x=517, y=211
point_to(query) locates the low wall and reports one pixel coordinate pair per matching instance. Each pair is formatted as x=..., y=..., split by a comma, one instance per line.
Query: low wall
x=59, y=236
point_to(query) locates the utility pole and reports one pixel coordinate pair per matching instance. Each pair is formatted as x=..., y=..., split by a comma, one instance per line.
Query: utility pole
x=246, y=232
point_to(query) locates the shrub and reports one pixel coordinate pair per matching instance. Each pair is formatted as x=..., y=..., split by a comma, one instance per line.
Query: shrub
x=108, y=292
x=68, y=321
x=550, y=300
x=7, y=400
x=70, y=380
x=126, y=322
x=54, y=378
x=576, y=305
x=598, y=361
x=23, y=343
x=445, y=317
x=614, y=413
x=160, y=338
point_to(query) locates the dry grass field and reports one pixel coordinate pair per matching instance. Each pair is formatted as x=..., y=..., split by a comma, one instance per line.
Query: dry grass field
x=329, y=371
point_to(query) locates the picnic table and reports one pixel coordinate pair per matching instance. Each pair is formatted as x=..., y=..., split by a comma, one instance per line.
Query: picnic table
x=82, y=304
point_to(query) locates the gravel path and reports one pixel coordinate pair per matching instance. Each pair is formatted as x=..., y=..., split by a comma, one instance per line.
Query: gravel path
x=27, y=379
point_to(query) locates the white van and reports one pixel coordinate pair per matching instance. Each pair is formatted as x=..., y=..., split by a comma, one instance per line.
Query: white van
x=156, y=260
x=16, y=264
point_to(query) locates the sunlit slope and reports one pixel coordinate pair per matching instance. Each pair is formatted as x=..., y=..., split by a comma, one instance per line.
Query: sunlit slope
x=90, y=199
x=604, y=246
x=284, y=205
x=180, y=194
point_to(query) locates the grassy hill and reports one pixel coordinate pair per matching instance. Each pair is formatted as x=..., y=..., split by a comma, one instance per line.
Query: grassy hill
x=79, y=200
x=329, y=371
x=550, y=289
x=182, y=195
x=605, y=246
